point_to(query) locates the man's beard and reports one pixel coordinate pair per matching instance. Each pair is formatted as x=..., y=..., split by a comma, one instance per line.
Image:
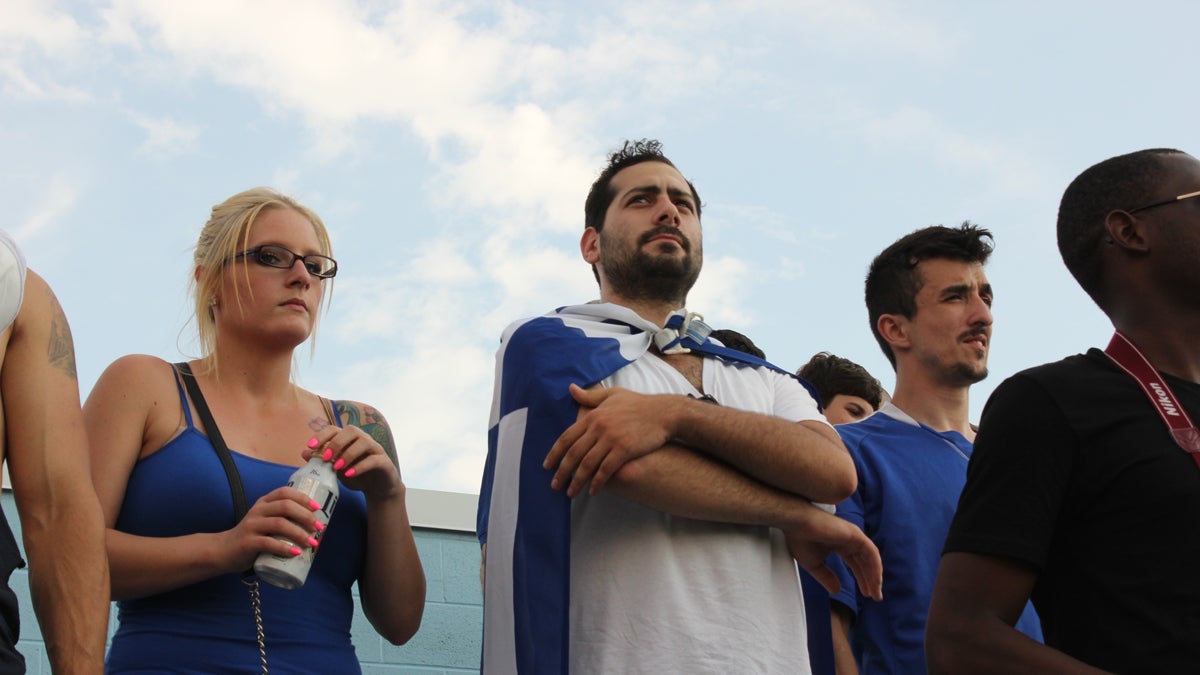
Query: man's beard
x=969, y=374
x=953, y=374
x=640, y=275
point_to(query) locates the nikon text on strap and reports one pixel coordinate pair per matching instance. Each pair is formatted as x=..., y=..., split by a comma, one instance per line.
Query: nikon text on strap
x=1131, y=360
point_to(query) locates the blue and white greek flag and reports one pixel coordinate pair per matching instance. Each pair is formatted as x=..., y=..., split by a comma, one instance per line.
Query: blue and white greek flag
x=525, y=524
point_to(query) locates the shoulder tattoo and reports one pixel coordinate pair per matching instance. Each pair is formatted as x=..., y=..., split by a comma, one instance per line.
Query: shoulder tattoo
x=318, y=423
x=371, y=421
x=61, y=349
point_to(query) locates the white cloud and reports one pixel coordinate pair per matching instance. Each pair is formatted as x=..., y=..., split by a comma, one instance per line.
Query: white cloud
x=531, y=281
x=432, y=378
x=326, y=59
x=436, y=401
x=859, y=27
x=285, y=179
x=33, y=34
x=461, y=88
x=17, y=84
x=738, y=218
x=167, y=137
x=722, y=290
x=787, y=269
x=920, y=131
x=55, y=202
x=526, y=159
x=443, y=262
x=35, y=24
x=116, y=31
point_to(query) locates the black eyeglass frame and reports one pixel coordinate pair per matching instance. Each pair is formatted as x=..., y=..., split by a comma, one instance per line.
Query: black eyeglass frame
x=1164, y=202
x=254, y=252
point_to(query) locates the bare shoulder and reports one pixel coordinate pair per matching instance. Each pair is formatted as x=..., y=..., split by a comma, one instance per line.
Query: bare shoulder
x=135, y=395
x=140, y=369
x=370, y=420
x=36, y=287
x=136, y=381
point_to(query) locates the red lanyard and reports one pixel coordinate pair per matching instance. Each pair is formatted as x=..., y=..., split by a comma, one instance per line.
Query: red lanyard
x=1129, y=359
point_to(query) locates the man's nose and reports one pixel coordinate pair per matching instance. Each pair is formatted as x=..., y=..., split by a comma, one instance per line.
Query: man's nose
x=669, y=212
x=983, y=312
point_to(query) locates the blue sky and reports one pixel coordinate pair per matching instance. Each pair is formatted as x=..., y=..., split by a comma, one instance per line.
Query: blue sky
x=449, y=146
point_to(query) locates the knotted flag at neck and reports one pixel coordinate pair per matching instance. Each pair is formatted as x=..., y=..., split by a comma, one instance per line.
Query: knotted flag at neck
x=682, y=326
x=686, y=332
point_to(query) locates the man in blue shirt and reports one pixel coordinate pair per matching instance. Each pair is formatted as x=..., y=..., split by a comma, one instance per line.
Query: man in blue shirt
x=929, y=303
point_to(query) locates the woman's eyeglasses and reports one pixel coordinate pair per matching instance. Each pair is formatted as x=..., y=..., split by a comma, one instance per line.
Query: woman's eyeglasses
x=271, y=255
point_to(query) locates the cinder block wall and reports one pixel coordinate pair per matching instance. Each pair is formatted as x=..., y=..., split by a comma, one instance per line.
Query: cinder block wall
x=451, y=633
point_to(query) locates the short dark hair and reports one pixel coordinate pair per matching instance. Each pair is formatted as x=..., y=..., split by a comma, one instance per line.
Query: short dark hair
x=833, y=375
x=1122, y=182
x=735, y=340
x=602, y=194
x=892, y=281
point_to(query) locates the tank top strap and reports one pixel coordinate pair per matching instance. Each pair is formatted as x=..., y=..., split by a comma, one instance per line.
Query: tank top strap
x=183, y=401
x=331, y=410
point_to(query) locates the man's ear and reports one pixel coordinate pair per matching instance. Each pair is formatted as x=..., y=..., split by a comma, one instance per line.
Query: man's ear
x=589, y=245
x=894, y=329
x=1126, y=230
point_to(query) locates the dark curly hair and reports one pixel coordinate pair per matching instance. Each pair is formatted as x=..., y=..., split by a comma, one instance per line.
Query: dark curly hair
x=1122, y=182
x=893, y=282
x=735, y=340
x=602, y=194
x=833, y=375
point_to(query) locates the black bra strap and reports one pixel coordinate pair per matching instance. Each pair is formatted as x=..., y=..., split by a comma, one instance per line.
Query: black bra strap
x=214, y=436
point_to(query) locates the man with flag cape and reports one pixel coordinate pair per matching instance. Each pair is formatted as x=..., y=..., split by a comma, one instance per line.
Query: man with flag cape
x=647, y=491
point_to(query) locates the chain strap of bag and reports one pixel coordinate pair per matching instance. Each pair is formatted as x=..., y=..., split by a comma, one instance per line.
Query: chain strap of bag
x=238, y=492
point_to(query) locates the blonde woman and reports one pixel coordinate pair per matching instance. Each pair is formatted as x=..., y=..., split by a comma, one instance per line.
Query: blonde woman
x=263, y=269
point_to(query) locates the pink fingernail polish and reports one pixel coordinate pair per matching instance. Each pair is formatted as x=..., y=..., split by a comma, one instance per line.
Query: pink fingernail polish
x=337, y=466
x=350, y=472
x=295, y=551
x=327, y=455
x=312, y=504
x=313, y=442
x=320, y=527
x=312, y=542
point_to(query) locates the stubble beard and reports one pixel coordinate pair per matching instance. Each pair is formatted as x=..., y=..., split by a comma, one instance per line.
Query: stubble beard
x=958, y=373
x=970, y=374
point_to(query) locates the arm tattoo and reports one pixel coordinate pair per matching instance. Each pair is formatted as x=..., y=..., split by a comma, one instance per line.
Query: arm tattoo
x=369, y=420
x=61, y=349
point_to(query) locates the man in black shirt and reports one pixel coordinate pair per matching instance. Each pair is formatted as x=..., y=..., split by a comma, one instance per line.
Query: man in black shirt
x=1079, y=493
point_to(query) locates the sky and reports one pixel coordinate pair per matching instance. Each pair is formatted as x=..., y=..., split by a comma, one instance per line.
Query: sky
x=449, y=146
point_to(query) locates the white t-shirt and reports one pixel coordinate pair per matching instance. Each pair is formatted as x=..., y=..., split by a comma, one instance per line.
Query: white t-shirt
x=655, y=593
x=12, y=280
